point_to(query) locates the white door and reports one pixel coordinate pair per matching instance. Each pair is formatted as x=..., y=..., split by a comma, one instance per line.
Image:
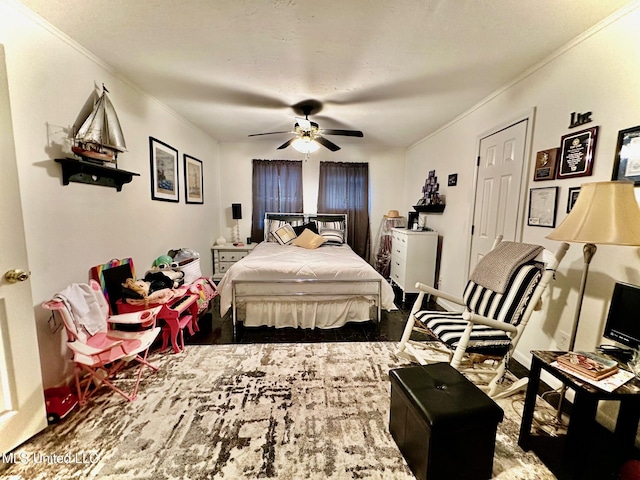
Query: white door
x=499, y=193
x=22, y=410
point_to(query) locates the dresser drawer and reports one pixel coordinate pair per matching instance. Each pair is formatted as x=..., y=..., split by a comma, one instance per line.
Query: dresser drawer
x=224, y=266
x=399, y=237
x=399, y=244
x=399, y=249
x=398, y=270
x=231, y=256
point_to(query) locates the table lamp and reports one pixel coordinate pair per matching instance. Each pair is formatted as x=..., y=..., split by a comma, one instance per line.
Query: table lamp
x=236, y=214
x=605, y=213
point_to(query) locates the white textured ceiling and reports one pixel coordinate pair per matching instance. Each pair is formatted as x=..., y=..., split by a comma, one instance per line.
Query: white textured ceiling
x=395, y=69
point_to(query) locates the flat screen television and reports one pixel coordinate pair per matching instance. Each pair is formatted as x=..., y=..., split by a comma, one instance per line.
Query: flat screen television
x=623, y=321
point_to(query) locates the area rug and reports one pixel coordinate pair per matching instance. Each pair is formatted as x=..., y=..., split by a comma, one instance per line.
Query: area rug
x=261, y=411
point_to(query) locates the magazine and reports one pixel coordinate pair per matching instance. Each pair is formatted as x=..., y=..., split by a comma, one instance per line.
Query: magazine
x=608, y=384
x=589, y=364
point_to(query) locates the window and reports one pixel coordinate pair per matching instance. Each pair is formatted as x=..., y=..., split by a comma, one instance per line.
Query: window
x=344, y=188
x=277, y=187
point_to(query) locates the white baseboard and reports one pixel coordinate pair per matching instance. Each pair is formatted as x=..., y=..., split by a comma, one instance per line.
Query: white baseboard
x=452, y=307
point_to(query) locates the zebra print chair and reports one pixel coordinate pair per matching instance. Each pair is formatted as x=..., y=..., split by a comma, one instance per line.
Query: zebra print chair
x=481, y=337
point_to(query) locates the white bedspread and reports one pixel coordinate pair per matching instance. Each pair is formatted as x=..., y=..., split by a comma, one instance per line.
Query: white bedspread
x=272, y=261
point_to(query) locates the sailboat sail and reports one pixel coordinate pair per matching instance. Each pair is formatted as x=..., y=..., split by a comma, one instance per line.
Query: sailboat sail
x=100, y=136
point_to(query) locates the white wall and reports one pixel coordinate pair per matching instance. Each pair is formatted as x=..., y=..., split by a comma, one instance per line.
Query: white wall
x=71, y=228
x=386, y=177
x=599, y=72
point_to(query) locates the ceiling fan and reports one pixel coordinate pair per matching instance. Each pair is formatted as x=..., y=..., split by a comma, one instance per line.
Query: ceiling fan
x=309, y=136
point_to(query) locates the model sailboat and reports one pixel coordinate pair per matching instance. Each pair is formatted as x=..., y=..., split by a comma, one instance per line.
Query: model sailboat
x=100, y=136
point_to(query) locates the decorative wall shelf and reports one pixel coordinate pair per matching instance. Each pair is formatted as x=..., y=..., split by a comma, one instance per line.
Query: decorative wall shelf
x=429, y=208
x=74, y=170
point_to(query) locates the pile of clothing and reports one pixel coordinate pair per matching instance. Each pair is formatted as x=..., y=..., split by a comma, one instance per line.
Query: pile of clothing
x=177, y=268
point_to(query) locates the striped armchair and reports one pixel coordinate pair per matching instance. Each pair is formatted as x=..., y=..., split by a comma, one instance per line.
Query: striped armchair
x=494, y=312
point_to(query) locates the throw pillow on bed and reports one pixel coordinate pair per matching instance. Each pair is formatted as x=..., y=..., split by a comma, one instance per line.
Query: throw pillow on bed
x=308, y=239
x=285, y=234
x=332, y=236
x=301, y=228
x=273, y=224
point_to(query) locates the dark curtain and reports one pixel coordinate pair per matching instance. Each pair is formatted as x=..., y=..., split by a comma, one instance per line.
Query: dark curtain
x=344, y=188
x=277, y=187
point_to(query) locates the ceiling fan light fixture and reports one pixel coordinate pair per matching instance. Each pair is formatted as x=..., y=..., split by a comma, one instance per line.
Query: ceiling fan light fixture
x=304, y=144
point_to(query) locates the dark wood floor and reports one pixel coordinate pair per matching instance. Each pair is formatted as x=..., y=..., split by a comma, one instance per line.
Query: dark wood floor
x=217, y=330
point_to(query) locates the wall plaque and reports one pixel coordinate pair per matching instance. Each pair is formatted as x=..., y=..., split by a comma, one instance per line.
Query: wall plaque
x=576, y=153
x=546, y=164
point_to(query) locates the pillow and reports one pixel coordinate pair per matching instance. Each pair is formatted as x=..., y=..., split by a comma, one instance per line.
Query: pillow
x=332, y=236
x=308, y=239
x=336, y=225
x=301, y=228
x=284, y=234
x=273, y=224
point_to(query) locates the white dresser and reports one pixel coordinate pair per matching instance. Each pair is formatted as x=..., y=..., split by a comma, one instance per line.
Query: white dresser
x=226, y=255
x=413, y=258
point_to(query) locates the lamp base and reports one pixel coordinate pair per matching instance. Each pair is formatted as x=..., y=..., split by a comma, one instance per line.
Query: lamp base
x=236, y=234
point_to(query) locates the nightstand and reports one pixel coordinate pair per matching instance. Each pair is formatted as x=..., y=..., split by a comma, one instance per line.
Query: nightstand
x=226, y=255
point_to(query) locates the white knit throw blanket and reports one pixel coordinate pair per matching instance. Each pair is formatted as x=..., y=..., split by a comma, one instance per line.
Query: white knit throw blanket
x=496, y=268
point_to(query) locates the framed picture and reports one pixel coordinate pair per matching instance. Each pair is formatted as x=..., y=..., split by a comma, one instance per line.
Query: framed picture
x=546, y=164
x=193, y=186
x=573, y=196
x=576, y=153
x=627, y=162
x=542, y=206
x=164, y=171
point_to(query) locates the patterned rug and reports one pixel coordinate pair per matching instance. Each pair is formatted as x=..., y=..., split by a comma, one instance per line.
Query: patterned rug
x=279, y=411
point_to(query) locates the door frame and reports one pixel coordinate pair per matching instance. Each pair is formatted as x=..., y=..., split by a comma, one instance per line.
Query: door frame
x=530, y=116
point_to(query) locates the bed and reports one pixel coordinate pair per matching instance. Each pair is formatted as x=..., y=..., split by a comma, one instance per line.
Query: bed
x=283, y=285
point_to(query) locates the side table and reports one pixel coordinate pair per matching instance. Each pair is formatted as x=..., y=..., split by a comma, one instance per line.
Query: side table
x=226, y=255
x=581, y=452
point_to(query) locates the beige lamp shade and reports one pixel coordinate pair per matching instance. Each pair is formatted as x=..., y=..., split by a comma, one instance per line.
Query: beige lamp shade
x=604, y=213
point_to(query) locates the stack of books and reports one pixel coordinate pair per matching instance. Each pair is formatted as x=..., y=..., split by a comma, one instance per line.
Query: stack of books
x=588, y=364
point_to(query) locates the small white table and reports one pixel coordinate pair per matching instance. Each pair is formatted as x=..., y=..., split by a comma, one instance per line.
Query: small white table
x=226, y=255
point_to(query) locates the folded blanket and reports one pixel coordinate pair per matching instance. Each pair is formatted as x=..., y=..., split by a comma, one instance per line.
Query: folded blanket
x=496, y=268
x=84, y=306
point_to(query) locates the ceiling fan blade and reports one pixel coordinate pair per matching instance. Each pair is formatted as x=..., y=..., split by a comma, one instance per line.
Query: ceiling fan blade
x=286, y=144
x=268, y=133
x=327, y=143
x=346, y=133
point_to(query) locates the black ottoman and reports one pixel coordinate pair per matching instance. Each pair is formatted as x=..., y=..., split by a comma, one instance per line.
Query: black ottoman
x=443, y=424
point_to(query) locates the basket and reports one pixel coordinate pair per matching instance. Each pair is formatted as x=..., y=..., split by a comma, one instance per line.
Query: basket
x=191, y=271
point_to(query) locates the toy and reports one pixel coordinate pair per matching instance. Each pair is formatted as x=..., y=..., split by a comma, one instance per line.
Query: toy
x=163, y=261
x=59, y=402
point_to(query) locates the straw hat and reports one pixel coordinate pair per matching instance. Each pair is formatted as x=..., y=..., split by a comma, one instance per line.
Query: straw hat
x=392, y=214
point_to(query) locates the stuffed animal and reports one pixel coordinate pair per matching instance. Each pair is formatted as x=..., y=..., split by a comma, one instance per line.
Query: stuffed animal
x=163, y=261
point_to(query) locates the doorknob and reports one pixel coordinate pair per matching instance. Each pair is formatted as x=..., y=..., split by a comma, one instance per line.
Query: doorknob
x=16, y=275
